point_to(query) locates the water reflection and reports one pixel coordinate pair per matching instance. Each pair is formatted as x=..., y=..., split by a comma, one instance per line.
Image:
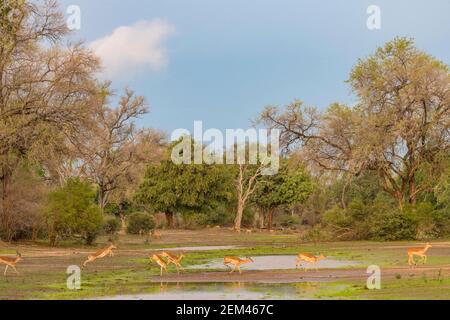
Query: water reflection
x=223, y=291
x=278, y=263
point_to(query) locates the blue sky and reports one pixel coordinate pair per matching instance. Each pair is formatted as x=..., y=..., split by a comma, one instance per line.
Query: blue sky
x=222, y=61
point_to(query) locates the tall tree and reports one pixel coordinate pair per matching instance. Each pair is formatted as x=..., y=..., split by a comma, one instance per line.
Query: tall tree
x=110, y=149
x=291, y=186
x=404, y=94
x=186, y=188
x=44, y=86
x=400, y=124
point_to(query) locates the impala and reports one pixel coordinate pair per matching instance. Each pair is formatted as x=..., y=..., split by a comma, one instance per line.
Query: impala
x=310, y=259
x=421, y=252
x=171, y=258
x=100, y=254
x=11, y=262
x=236, y=262
x=160, y=261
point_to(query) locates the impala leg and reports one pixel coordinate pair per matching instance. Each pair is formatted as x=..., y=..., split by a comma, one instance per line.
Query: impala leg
x=6, y=269
x=14, y=268
x=239, y=268
x=424, y=259
x=411, y=261
x=86, y=262
x=234, y=269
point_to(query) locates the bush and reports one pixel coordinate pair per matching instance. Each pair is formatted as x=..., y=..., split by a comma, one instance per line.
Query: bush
x=216, y=217
x=288, y=220
x=377, y=221
x=111, y=226
x=318, y=233
x=392, y=225
x=72, y=212
x=140, y=222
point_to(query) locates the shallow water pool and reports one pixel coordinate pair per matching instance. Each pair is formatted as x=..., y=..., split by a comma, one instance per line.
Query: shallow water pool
x=278, y=263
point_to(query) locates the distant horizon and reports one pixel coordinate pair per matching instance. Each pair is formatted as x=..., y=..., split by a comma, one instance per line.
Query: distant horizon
x=223, y=63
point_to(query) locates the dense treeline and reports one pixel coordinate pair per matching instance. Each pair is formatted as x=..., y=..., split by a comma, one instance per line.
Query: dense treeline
x=72, y=166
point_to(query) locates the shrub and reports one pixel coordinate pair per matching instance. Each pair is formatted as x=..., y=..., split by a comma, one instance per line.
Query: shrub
x=318, y=233
x=111, y=226
x=392, y=225
x=288, y=220
x=140, y=222
x=216, y=217
x=72, y=212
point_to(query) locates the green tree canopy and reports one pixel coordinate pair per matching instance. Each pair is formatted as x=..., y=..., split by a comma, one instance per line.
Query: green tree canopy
x=72, y=211
x=292, y=185
x=185, y=188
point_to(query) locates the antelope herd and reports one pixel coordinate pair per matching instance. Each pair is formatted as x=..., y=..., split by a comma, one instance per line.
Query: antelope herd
x=165, y=258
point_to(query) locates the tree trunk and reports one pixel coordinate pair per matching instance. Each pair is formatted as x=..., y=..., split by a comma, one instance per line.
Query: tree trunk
x=102, y=199
x=239, y=214
x=4, y=214
x=123, y=228
x=169, y=220
x=270, y=220
x=412, y=192
x=261, y=218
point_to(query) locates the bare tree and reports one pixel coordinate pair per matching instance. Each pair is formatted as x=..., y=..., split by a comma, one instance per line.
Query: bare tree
x=246, y=183
x=43, y=86
x=399, y=128
x=114, y=149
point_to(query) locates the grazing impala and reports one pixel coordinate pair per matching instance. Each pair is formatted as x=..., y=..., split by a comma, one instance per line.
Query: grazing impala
x=309, y=258
x=100, y=254
x=421, y=252
x=11, y=262
x=236, y=262
x=160, y=261
x=171, y=258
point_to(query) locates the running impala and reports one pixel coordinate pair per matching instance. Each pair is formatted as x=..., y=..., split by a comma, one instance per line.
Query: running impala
x=236, y=262
x=160, y=261
x=309, y=258
x=171, y=258
x=100, y=254
x=11, y=262
x=421, y=252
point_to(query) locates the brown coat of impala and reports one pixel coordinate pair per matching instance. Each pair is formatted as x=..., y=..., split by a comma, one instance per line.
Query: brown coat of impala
x=307, y=257
x=160, y=262
x=11, y=262
x=236, y=262
x=171, y=258
x=100, y=254
x=420, y=252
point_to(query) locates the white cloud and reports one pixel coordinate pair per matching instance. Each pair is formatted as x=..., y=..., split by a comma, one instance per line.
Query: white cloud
x=130, y=49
